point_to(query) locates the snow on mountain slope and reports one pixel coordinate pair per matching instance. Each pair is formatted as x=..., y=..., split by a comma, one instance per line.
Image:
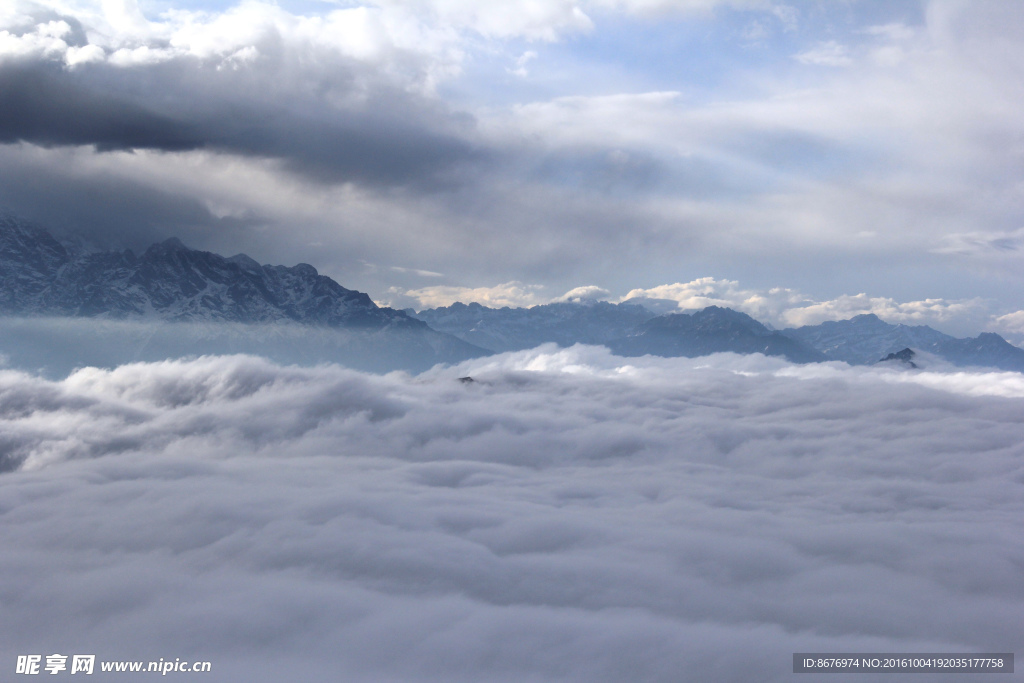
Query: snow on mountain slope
x=42, y=277
x=43, y=280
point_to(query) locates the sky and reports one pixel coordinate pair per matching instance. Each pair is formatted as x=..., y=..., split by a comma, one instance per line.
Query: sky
x=799, y=161
x=568, y=516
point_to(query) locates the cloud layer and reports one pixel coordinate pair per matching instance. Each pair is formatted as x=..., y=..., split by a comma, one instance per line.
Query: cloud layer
x=565, y=517
x=828, y=149
x=343, y=119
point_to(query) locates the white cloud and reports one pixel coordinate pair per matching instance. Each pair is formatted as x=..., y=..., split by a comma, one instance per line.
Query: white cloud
x=363, y=29
x=1011, y=326
x=622, y=120
x=543, y=20
x=648, y=7
x=404, y=45
x=416, y=271
x=895, y=32
x=521, y=63
x=911, y=312
x=783, y=307
x=788, y=16
x=585, y=293
x=567, y=512
x=827, y=53
x=45, y=41
x=777, y=306
x=1013, y=321
x=513, y=294
x=550, y=20
x=992, y=243
x=84, y=55
x=707, y=291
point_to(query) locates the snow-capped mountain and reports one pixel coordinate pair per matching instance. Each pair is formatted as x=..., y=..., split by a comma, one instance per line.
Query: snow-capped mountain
x=40, y=276
x=172, y=282
x=294, y=314
x=29, y=260
x=864, y=339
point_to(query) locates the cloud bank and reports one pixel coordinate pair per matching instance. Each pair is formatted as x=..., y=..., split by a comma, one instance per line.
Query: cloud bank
x=829, y=149
x=568, y=516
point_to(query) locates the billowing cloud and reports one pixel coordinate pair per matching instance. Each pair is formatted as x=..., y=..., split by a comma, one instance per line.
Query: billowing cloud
x=1011, y=325
x=119, y=34
x=789, y=308
x=567, y=516
x=777, y=306
x=512, y=294
x=708, y=291
x=1013, y=321
x=339, y=122
x=585, y=293
x=936, y=311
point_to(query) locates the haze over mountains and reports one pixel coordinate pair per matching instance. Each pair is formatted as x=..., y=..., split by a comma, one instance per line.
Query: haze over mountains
x=109, y=307
x=630, y=329
x=627, y=329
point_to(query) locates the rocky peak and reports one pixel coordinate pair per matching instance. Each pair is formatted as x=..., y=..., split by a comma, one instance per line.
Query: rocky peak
x=172, y=282
x=904, y=357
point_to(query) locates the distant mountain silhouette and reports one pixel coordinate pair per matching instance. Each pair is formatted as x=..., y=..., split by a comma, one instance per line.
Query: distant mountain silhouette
x=864, y=339
x=514, y=329
x=711, y=330
x=627, y=329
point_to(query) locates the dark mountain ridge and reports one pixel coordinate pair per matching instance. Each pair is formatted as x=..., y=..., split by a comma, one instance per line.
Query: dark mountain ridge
x=170, y=283
x=711, y=330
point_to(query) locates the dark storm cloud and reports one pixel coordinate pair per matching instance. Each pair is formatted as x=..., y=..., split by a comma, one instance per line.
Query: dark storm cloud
x=48, y=105
x=270, y=108
x=565, y=517
x=111, y=212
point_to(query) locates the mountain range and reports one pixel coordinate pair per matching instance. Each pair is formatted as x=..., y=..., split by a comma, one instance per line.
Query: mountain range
x=81, y=306
x=223, y=304
x=867, y=338
x=629, y=329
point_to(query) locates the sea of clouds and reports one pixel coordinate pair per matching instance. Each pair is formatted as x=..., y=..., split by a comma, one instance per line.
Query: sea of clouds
x=567, y=516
